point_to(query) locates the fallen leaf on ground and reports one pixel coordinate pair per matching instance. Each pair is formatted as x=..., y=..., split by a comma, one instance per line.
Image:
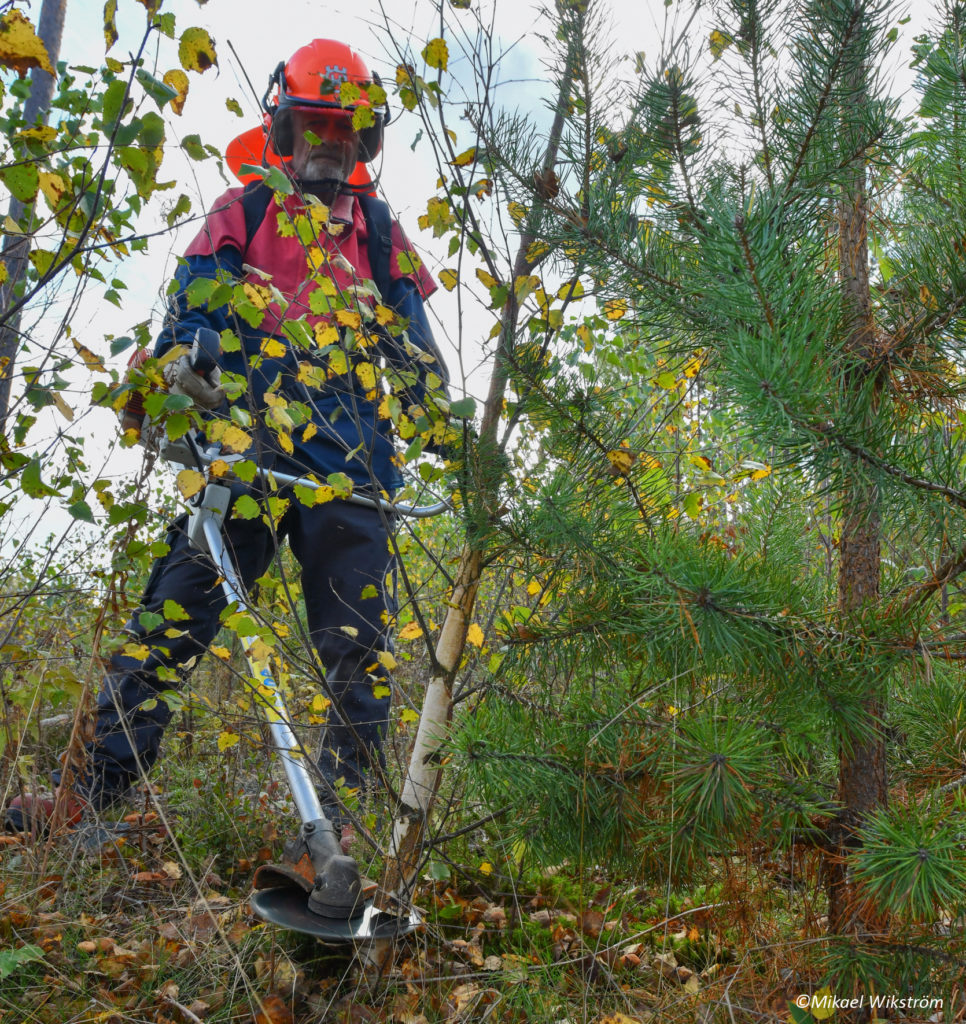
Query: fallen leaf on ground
x=273, y=1009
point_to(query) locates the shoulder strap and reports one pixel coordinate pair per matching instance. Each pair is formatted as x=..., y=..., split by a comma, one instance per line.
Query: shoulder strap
x=255, y=200
x=379, y=229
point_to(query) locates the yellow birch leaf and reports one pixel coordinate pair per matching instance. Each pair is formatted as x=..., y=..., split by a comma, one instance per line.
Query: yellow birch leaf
x=408, y=715
x=571, y=290
x=53, y=187
x=474, y=635
x=349, y=93
x=190, y=482
x=259, y=652
x=449, y=279
x=536, y=250
x=65, y=410
x=693, y=367
x=110, y=25
x=822, y=1005
x=436, y=54
x=387, y=661
x=410, y=631
x=718, y=43
x=20, y=46
x=196, y=51
x=349, y=318
x=91, y=360
x=273, y=348
x=381, y=691
x=326, y=334
x=525, y=285
x=366, y=373
x=40, y=133
x=234, y=439
x=220, y=652
x=488, y=280
x=517, y=212
x=621, y=459
x=614, y=309
x=465, y=158
x=384, y=315
x=231, y=437
x=178, y=81
x=338, y=363
x=226, y=740
x=3, y=271
x=258, y=295
x=362, y=118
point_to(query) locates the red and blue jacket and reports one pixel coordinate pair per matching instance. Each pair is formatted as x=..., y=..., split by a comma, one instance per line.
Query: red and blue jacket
x=307, y=277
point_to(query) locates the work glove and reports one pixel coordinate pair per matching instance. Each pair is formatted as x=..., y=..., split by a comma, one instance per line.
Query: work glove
x=133, y=415
x=203, y=389
x=202, y=386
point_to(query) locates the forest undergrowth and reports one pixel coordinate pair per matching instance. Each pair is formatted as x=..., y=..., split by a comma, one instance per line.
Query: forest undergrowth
x=155, y=925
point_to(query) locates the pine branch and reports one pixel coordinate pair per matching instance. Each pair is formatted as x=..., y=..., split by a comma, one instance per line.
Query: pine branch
x=752, y=269
x=825, y=430
x=834, y=74
x=944, y=575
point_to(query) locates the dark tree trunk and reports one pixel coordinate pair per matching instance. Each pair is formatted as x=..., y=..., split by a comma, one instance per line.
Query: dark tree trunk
x=16, y=247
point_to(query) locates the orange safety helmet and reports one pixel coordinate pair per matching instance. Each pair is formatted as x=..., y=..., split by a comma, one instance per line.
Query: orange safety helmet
x=313, y=78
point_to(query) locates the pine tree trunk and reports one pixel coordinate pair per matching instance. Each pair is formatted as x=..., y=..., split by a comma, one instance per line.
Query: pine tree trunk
x=862, y=785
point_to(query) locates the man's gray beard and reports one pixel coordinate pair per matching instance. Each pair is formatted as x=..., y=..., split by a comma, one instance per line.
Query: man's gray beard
x=322, y=169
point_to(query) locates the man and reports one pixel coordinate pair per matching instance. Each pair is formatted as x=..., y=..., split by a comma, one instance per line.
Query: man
x=312, y=293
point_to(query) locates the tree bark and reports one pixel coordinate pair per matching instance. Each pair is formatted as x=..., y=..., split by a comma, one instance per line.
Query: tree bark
x=862, y=783
x=16, y=247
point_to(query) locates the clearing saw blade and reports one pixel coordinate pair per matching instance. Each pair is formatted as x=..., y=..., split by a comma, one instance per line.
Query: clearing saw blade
x=287, y=906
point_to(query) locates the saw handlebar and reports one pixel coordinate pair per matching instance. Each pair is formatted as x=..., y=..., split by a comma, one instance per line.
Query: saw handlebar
x=205, y=350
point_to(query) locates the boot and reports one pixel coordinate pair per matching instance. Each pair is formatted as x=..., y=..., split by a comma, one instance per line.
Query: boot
x=40, y=812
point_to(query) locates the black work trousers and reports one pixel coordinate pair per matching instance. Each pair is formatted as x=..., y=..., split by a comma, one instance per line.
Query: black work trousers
x=347, y=576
